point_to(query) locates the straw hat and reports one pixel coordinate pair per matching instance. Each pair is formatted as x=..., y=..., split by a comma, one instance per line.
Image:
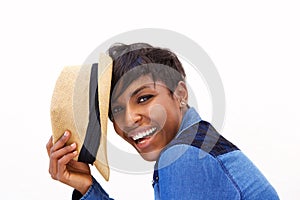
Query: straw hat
x=80, y=104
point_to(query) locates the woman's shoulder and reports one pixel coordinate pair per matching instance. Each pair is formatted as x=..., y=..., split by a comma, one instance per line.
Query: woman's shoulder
x=198, y=144
x=204, y=137
x=180, y=153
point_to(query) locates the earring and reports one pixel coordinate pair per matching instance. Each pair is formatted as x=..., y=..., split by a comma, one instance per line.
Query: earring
x=182, y=104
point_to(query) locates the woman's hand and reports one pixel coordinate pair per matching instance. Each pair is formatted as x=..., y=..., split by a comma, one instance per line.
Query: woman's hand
x=63, y=168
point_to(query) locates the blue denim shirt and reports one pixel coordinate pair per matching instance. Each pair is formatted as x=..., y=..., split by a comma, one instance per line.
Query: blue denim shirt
x=201, y=164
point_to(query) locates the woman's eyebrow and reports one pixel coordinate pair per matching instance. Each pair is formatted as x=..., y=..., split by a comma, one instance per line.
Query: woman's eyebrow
x=114, y=99
x=139, y=89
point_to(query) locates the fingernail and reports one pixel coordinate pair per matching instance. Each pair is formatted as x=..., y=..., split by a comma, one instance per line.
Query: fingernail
x=66, y=133
x=73, y=144
x=75, y=152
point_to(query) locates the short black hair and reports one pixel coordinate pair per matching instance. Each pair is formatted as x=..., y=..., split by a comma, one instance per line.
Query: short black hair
x=138, y=59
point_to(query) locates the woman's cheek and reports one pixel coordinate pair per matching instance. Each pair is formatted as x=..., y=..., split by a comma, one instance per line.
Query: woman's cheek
x=158, y=115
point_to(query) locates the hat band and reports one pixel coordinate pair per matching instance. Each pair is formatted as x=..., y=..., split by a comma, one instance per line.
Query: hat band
x=91, y=143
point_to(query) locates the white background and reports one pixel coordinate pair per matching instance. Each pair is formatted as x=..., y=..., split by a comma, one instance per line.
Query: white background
x=255, y=46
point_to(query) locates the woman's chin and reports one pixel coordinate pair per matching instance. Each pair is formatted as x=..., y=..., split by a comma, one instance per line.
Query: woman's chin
x=150, y=156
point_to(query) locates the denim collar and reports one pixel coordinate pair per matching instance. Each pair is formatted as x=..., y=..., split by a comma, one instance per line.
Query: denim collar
x=190, y=118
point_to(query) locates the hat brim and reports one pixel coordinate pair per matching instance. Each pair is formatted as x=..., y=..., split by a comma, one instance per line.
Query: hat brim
x=70, y=107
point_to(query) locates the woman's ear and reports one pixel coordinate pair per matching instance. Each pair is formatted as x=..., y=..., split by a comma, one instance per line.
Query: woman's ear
x=181, y=92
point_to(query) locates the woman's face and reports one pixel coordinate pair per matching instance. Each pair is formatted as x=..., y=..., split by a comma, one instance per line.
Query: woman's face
x=147, y=116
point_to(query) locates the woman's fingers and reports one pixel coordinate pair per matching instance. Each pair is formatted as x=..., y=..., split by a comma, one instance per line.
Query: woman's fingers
x=61, y=142
x=63, y=173
x=63, y=151
x=60, y=155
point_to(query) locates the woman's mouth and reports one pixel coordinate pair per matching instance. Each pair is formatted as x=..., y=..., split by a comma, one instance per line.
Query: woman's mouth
x=140, y=137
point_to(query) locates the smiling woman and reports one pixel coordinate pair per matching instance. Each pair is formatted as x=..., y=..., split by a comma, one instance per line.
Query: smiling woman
x=149, y=109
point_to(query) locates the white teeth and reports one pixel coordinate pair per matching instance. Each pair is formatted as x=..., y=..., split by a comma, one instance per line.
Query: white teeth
x=144, y=134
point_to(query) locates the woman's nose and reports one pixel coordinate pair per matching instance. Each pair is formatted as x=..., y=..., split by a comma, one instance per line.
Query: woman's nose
x=132, y=117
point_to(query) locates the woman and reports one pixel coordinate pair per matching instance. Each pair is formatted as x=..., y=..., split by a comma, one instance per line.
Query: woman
x=149, y=110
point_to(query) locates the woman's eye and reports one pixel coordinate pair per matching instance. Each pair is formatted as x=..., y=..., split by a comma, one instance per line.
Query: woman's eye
x=117, y=109
x=145, y=98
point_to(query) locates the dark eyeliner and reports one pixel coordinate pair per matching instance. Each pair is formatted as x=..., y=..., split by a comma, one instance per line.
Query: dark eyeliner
x=146, y=97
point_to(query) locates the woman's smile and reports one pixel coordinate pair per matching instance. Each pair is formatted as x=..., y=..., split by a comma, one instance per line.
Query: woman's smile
x=143, y=140
x=138, y=136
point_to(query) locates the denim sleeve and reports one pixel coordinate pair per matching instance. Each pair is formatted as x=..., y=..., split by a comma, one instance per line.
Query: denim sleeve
x=186, y=172
x=93, y=193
